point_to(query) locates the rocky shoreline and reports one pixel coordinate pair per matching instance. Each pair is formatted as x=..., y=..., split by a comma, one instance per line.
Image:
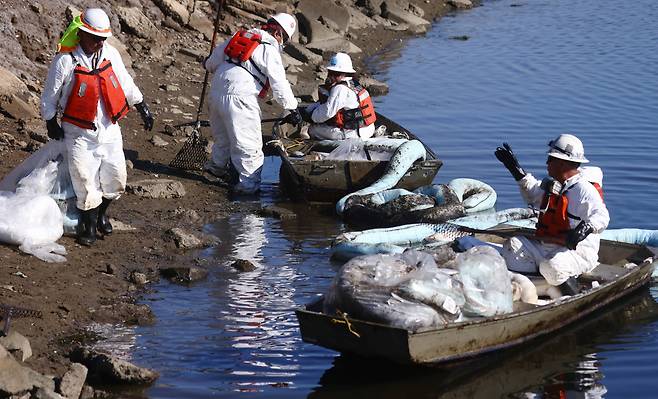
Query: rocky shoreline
x=160, y=218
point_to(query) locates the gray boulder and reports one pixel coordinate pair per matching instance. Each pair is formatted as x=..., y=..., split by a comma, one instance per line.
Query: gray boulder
x=134, y=21
x=73, y=381
x=109, y=369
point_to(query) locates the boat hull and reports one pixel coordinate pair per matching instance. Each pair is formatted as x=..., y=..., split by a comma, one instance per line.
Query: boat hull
x=466, y=340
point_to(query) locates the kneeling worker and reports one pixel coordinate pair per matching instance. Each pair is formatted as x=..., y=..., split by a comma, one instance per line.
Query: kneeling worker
x=572, y=215
x=345, y=109
x=88, y=82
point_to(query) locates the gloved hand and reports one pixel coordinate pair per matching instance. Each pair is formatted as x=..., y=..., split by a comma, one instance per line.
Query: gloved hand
x=507, y=157
x=55, y=131
x=294, y=118
x=578, y=233
x=306, y=115
x=147, y=116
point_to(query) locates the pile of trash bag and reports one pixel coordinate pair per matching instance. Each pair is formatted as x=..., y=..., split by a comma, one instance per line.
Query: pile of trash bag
x=37, y=204
x=419, y=290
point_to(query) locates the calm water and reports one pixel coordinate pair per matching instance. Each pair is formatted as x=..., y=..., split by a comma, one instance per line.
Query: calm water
x=527, y=73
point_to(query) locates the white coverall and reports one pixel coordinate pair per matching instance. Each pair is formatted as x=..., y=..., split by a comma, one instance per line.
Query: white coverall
x=555, y=262
x=234, y=110
x=340, y=97
x=96, y=160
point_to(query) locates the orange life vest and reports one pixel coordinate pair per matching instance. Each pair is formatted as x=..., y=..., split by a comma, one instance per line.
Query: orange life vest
x=356, y=118
x=553, y=223
x=240, y=48
x=89, y=86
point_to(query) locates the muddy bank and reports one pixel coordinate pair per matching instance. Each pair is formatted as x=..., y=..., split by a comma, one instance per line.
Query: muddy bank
x=165, y=44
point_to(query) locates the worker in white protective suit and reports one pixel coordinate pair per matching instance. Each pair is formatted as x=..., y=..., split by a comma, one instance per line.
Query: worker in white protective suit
x=244, y=68
x=572, y=215
x=89, y=85
x=345, y=109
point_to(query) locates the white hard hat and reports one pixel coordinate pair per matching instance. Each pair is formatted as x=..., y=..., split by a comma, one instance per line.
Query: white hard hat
x=567, y=147
x=96, y=22
x=341, y=62
x=287, y=22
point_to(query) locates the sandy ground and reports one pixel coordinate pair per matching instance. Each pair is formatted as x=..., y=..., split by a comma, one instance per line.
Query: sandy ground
x=94, y=284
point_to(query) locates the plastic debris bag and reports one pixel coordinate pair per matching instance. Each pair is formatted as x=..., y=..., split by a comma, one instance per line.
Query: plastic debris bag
x=486, y=282
x=30, y=218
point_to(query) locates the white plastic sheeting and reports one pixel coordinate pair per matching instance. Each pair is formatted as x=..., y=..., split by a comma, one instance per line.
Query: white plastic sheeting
x=30, y=218
x=411, y=291
x=33, y=203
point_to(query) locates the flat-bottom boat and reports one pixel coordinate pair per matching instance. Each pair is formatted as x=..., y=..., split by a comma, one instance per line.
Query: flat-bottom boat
x=305, y=176
x=623, y=268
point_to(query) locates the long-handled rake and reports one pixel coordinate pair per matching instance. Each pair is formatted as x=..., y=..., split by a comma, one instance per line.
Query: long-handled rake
x=193, y=155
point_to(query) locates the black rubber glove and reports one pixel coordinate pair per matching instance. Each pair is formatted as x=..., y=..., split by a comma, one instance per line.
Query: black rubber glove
x=578, y=233
x=147, y=116
x=306, y=116
x=507, y=157
x=294, y=117
x=55, y=131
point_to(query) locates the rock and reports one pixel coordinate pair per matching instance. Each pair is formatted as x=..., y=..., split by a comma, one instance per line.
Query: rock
x=174, y=9
x=156, y=188
x=461, y=4
x=16, y=379
x=17, y=108
x=201, y=23
x=317, y=32
x=183, y=239
x=16, y=344
x=73, y=381
x=307, y=91
x=372, y=7
x=244, y=15
x=243, y=265
x=255, y=7
x=374, y=86
x=196, y=54
x=108, y=369
x=10, y=84
x=360, y=20
x=188, y=215
x=313, y=10
x=277, y=212
x=123, y=50
x=135, y=22
x=394, y=12
x=335, y=45
x=138, y=278
x=43, y=393
x=158, y=141
x=302, y=54
x=118, y=225
x=184, y=274
x=290, y=62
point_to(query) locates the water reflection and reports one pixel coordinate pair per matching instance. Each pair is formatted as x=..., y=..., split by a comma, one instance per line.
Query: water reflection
x=565, y=366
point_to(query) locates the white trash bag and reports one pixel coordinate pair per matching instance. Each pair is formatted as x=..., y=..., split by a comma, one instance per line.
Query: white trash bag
x=29, y=215
x=486, y=282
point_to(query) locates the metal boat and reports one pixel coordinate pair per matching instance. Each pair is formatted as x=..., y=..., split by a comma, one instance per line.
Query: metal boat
x=623, y=269
x=305, y=177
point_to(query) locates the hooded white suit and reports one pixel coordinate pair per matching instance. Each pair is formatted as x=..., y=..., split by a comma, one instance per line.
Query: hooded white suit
x=234, y=110
x=96, y=160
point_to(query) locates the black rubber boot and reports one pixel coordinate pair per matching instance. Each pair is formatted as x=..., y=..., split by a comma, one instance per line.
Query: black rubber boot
x=569, y=287
x=104, y=225
x=87, y=227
